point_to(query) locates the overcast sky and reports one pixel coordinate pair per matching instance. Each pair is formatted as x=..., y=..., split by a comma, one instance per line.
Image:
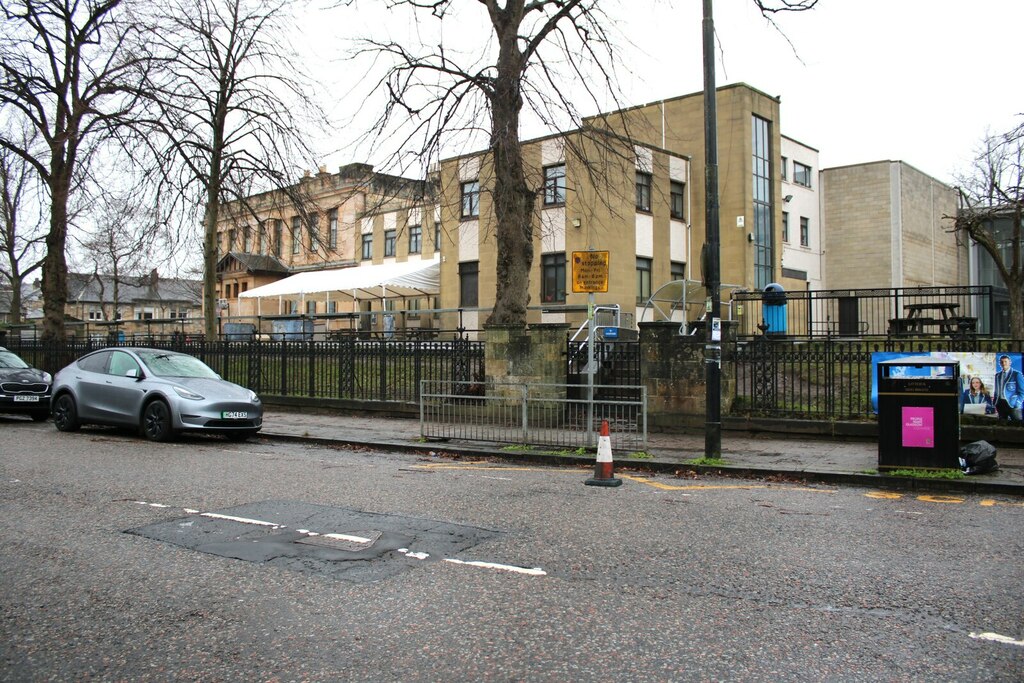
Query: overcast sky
x=860, y=80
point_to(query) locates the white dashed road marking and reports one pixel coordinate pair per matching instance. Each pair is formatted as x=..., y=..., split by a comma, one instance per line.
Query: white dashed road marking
x=995, y=637
x=529, y=571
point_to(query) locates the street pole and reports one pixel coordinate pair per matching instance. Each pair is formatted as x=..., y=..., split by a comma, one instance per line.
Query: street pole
x=712, y=277
x=591, y=362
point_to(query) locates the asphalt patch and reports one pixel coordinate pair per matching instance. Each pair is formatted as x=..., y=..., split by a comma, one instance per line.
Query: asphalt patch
x=366, y=546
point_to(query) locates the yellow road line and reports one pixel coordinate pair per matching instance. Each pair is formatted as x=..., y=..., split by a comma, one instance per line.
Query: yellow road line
x=474, y=466
x=712, y=487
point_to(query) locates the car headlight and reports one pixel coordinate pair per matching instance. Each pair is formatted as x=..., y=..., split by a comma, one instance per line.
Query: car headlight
x=253, y=397
x=185, y=393
x=47, y=377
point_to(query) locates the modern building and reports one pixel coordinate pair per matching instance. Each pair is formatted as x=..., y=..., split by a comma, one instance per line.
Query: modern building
x=802, y=257
x=887, y=224
x=595, y=191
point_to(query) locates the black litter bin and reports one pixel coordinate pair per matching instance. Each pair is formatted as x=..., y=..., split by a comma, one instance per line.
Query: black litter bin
x=918, y=413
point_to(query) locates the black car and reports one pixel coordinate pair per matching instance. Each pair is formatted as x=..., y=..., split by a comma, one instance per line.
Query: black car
x=23, y=389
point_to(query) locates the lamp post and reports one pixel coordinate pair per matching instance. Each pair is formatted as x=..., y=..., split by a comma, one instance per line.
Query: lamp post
x=712, y=277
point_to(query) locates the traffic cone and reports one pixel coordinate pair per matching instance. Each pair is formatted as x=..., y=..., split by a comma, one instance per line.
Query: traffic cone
x=603, y=468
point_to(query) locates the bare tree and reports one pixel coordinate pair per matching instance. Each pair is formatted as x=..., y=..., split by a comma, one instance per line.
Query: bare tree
x=229, y=101
x=991, y=208
x=21, y=237
x=70, y=70
x=119, y=248
x=535, y=48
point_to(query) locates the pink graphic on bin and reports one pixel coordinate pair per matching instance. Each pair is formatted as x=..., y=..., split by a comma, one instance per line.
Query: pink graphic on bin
x=918, y=427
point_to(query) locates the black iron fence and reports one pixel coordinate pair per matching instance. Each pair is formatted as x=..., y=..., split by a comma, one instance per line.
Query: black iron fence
x=894, y=311
x=365, y=370
x=829, y=378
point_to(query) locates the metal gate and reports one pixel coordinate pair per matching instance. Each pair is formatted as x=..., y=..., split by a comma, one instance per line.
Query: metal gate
x=616, y=369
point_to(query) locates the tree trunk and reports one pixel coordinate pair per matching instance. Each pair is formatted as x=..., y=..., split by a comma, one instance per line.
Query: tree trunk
x=55, y=267
x=210, y=312
x=513, y=199
x=16, y=284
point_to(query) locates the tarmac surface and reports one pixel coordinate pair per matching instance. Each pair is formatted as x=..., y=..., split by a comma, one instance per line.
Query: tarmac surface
x=847, y=460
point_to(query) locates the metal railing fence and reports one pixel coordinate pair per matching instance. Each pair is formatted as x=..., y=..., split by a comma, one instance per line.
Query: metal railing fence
x=529, y=414
x=374, y=370
x=826, y=379
x=860, y=312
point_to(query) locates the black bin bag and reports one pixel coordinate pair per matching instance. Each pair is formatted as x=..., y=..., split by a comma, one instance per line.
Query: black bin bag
x=978, y=457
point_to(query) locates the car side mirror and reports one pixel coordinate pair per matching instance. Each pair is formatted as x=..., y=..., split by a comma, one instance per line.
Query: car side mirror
x=133, y=372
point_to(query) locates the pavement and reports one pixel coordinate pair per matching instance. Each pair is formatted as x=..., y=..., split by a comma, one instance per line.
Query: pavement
x=847, y=460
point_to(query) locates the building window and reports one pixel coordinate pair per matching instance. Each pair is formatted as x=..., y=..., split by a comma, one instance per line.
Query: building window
x=414, y=306
x=437, y=236
x=296, y=234
x=367, y=246
x=677, y=197
x=231, y=240
x=552, y=282
x=332, y=306
x=554, y=185
x=764, y=242
x=278, y=236
x=643, y=279
x=389, y=243
x=95, y=314
x=310, y=308
x=246, y=239
x=415, y=239
x=678, y=270
x=801, y=174
x=332, y=229
x=313, y=225
x=471, y=199
x=785, y=227
x=782, y=168
x=144, y=314
x=469, y=281
x=261, y=239
x=805, y=231
x=643, y=191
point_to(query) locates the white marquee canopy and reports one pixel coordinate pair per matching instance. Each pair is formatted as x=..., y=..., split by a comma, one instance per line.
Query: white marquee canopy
x=406, y=279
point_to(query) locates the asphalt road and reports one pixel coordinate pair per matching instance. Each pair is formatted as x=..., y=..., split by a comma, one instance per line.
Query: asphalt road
x=208, y=560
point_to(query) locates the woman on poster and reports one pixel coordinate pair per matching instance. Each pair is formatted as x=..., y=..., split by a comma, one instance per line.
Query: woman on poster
x=976, y=394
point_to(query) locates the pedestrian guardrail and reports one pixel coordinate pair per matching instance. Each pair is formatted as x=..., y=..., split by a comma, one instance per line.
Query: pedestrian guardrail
x=530, y=415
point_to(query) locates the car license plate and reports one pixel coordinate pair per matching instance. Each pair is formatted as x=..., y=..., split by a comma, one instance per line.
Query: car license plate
x=26, y=399
x=234, y=415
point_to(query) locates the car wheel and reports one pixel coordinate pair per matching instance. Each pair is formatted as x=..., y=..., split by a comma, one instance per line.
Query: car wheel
x=40, y=417
x=65, y=414
x=240, y=436
x=156, y=421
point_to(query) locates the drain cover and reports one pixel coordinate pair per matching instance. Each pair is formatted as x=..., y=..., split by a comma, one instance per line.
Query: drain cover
x=318, y=539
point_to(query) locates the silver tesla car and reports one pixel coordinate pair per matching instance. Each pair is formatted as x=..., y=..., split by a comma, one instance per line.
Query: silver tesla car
x=161, y=393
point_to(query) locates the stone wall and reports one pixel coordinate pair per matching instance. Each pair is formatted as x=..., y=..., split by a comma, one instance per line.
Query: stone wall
x=672, y=367
x=673, y=372
x=533, y=355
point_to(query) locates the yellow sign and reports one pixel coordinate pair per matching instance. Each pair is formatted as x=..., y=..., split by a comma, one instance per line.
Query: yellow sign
x=589, y=271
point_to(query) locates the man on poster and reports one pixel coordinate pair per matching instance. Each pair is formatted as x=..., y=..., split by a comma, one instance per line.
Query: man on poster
x=1009, y=391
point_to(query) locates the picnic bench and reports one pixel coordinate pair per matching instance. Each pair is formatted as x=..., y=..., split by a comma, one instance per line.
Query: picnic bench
x=941, y=316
